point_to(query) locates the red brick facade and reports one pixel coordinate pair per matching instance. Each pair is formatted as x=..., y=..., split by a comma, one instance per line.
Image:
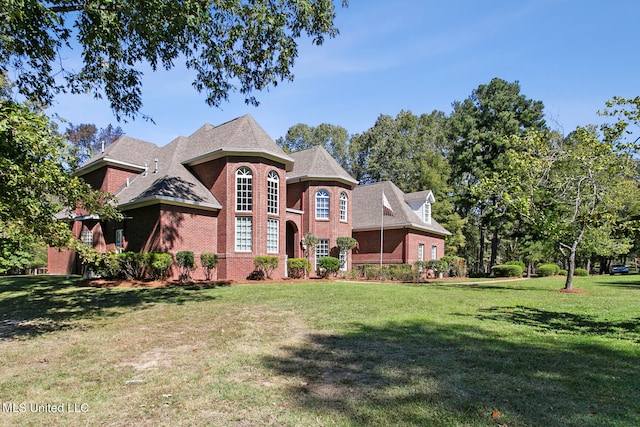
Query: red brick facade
x=167, y=213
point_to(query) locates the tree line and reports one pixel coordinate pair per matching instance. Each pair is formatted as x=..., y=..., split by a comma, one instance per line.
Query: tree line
x=508, y=186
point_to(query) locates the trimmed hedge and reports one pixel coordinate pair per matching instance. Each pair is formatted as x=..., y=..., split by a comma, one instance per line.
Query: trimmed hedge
x=297, y=267
x=266, y=264
x=580, y=272
x=548, y=270
x=328, y=265
x=209, y=262
x=507, y=270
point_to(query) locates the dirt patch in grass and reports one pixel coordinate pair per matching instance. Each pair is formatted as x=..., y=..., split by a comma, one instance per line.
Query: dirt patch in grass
x=127, y=283
x=572, y=291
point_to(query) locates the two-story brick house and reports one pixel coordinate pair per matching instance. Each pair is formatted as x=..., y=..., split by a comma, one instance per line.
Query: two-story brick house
x=226, y=189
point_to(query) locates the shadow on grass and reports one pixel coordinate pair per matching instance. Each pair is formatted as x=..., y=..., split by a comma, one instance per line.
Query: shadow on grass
x=563, y=322
x=417, y=373
x=32, y=305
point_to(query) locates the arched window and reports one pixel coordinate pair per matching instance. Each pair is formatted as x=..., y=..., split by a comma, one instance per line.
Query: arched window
x=273, y=192
x=244, y=190
x=322, y=204
x=343, y=206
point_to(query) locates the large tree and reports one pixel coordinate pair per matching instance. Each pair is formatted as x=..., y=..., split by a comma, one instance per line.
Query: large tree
x=482, y=127
x=567, y=188
x=335, y=139
x=231, y=45
x=88, y=139
x=36, y=180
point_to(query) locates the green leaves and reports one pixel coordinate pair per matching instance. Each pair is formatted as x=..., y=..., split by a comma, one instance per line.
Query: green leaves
x=231, y=45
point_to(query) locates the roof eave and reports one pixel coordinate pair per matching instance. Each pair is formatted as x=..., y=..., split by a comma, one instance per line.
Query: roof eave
x=103, y=161
x=348, y=181
x=244, y=152
x=152, y=200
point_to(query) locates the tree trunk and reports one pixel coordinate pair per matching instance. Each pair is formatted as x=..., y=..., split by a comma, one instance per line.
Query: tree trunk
x=568, y=284
x=481, y=252
x=494, y=248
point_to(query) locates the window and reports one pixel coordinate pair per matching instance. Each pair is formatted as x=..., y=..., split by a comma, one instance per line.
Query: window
x=244, y=232
x=119, y=240
x=87, y=237
x=426, y=212
x=434, y=252
x=322, y=204
x=273, y=196
x=421, y=252
x=244, y=190
x=343, y=206
x=343, y=260
x=273, y=228
x=322, y=249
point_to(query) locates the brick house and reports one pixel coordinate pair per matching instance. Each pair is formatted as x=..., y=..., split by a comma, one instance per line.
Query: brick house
x=409, y=233
x=226, y=189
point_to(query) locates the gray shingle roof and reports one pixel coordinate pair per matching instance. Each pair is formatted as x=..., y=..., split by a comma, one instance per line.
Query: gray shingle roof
x=240, y=136
x=367, y=209
x=317, y=164
x=171, y=181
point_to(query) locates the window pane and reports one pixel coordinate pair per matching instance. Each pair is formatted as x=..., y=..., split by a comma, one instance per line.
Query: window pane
x=343, y=206
x=273, y=226
x=322, y=249
x=244, y=231
x=244, y=190
x=272, y=192
x=322, y=204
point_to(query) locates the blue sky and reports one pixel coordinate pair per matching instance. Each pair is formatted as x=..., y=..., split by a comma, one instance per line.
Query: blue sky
x=421, y=56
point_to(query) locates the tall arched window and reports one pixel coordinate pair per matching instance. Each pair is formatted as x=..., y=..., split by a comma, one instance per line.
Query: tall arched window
x=322, y=204
x=244, y=190
x=343, y=206
x=273, y=192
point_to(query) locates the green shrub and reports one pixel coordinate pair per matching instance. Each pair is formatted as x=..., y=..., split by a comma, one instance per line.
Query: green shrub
x=507, y=270
x=456, y=266
x=209, y=262
x=266, y=264
x=298, y=267
x=159, y=265
x=548, y=270
x=562, y=272
x=516, y=262
x=580, y=272
x=186, y=264
x=328, y=265
x=132, y=264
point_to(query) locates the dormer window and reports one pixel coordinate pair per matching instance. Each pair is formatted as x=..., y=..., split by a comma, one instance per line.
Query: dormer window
x=426, y=212
x=426, y=208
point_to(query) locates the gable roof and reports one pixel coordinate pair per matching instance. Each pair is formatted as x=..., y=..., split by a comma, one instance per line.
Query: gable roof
x=367, y=209
x=317, y=164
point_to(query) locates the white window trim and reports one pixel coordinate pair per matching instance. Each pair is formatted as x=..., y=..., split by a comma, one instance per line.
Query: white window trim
x=273, y=193
x=244, y=242
x=344, y=207
x=322, y=209
x=244, y=173
x=273, y=245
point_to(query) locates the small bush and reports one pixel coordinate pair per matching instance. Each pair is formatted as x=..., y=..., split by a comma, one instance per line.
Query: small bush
x=507, y=270
x=562, y=272
x=328, y=265
x=159, y=265
x=297, y=267
x=545, y=270
x=132, y=264
x=209, y=262
x=580, y=272
x=266, y=264
x=516, y=262
x=186, y=263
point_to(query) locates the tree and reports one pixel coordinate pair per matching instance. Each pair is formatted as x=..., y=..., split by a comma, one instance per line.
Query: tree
x=482, y=127
x=89, y=140
x=333, y=138
x=246, y=46
x=409, y=150
x=564, y=188
x=36, y=180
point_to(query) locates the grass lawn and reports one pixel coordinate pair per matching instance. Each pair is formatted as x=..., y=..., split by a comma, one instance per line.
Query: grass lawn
x=321, y=353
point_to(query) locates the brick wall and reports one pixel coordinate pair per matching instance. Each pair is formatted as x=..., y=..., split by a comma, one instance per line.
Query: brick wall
x=400, y=246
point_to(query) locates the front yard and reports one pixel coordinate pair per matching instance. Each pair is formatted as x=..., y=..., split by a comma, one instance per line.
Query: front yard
x=321, y=353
